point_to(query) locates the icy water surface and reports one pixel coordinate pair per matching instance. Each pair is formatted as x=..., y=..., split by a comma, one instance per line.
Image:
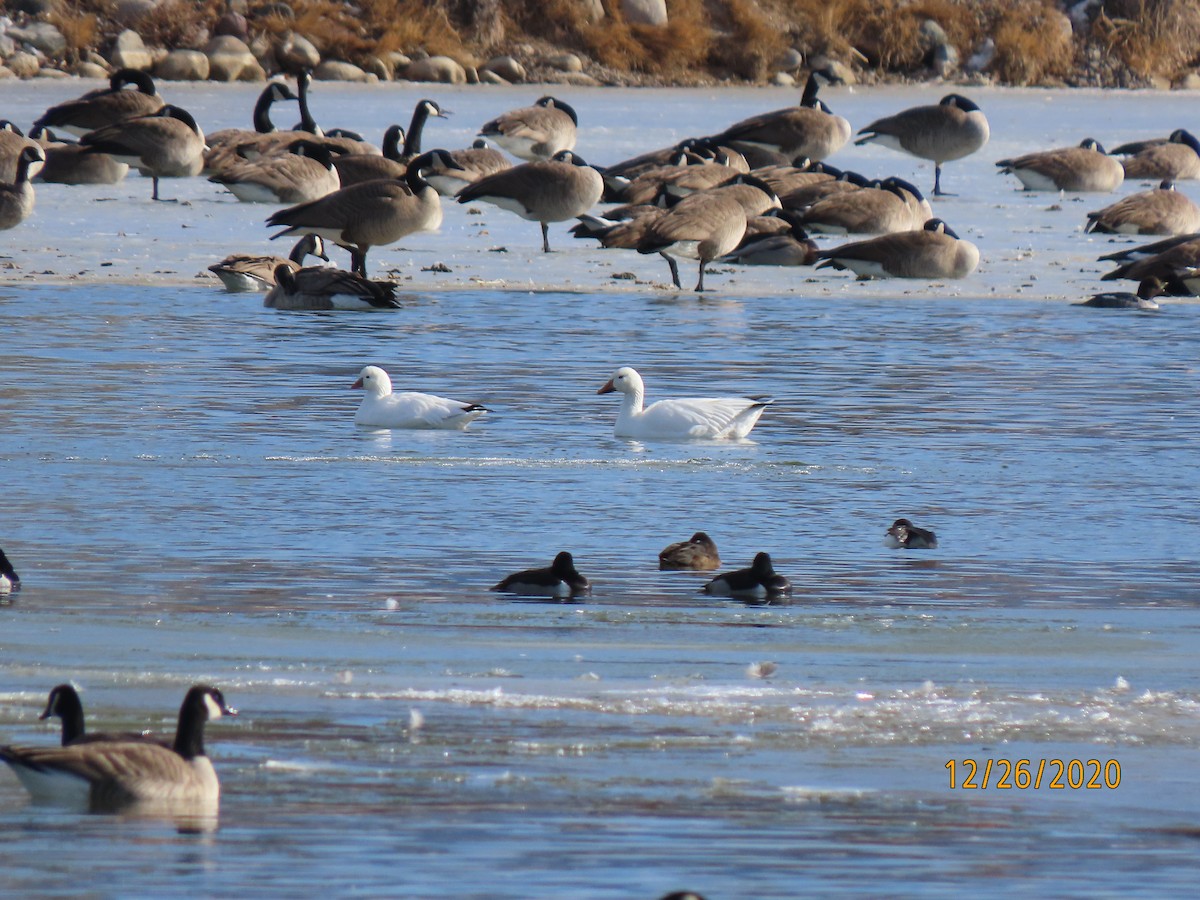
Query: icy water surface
x=187, y=499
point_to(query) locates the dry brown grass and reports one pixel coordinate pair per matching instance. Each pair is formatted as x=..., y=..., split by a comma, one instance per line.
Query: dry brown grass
x=751, y=42
x=80, y=29
x=179, y=24
x=1032, y=45
x=1152, y=37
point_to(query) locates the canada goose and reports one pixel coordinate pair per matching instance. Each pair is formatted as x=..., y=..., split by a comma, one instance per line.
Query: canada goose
x=359, y=167
x=322, y=288
x=305, y=173
x=1169, y=261
x=16, y=199
x=165, y=144
x=1083, y=168
x=381, y=408
x=64, y=704
x=625, y=234
x=952, y=129
x=804, y=173
x=69, y=163
x=1145, y=251
x=809, y=129
x=1176, y=159
x=1147, y=290
x=98, y=109
x=9, y=580
x=12, y=142
x=628, y=169
x=1162, y=210
x=881, y=208
x=534, y=132
x=905, y=535
x=933, y=252
x=222, y=144
x=370, y=214
x=109, y=775
x=474, y=162
x=690, y=418
x=545, y=191
x=758, y=582
x=804, y=196
x=558, y=580
x=792, y=247
x=698, y=552
x=241, y=272
x=647, y=185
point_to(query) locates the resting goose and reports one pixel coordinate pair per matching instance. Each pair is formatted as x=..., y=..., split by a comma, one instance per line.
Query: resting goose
x=108, y=775
x=692, y=418
x=319, y=288
x=933, y=252
x=759, y=582
x=305, y=173
x=791, y=247
x=559, y=580
x=101, y=108
x=165, y=144
x=16, y=199
x=904, y=535
x=9, y=580
x=1169, y=260
x=534, y=132
x=883, y=207
x=381, y=408
x=64, y=704
x=1162, y=210
x=809, y=130
x=1175, y=159
x=954, y=128
x=1077, y=169
x=474, y=162
x=69, y=163
x=698, y=552
x=223, y=144
x=241, y=272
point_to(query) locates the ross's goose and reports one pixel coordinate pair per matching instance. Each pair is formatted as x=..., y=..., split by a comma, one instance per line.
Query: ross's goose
x=380, y=408
x=691, y=418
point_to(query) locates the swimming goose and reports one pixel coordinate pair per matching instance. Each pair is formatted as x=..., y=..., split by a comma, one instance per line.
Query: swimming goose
x=759, y=582
x=108, y=775
x=883, y=207
x=9, y=580
x=370, y=214
x=64, y=704
x=1147, y=290
x=16, y=199
x=380, y=408
x=545, y=191
x=905, y=535
x=165, y=144
x=534, y=132
x=1078, y=169
x=698, y=552
x=954, y=128
x=69, y=163
x=809, y=129
x=305, y=173
x=933, y=252
x=1175, y=159
x=222, y=144
x=320, y=288
x=1162, y=210
x=474, y=162
x=691, y=418
x=98, y=109
x=241, y=272
x=558, y=580
x=792, y=247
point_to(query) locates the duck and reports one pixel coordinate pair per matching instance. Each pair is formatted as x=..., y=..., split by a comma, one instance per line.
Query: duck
x=381, y=408
x=693, y=418
x=535, y=132
x=64, y=704
x=758, y=582
x=322, y=288
x=1175, y=159
x=9, y=580
x=130, y=94
x=164, y=144
x=241, y=272
x=1144, y=300
x=953, y=128
x=905, y=535
x=1086, y=168
x=699, y=552
x=1162, y=210
x=110, y=775
x=559, y=580
x=810, y=129
x=17, y=198
x=544, y=191
x=934, y=252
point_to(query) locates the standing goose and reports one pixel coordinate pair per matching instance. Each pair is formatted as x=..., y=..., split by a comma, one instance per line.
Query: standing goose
x=545, y=191
x=474, y=162
x=534, y=132
x=165, y=144
x=381, y=408
x=905, y=535
x=305, y=173
x=1175, y=159
x=9, y=580
x=952, y=129
x=559, y=580
x=698, y=552
x=108, y=775
x=1162, y=210
x=809, y=129
x=242, y=272
x=1078, y=169
x=69, y=163
x=691, y=418
x=16, y=199
x=99, y=109
x=933, y=252
x=759, y=582
x=370, y=214
x=319, y=288
x=64, y=704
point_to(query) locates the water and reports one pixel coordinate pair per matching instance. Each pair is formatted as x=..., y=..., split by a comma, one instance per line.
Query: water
x=187, y=499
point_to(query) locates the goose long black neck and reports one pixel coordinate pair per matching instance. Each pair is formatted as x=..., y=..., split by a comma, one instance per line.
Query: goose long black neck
x=64, y=703
x=391, y=143
x=809, y=98
x=189, y=734
x=307, y=122
x=262, y=111
x=24, y=162
x=414, y=177
x=412, y=141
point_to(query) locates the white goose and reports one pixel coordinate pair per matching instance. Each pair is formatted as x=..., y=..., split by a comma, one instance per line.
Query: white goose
x=691, y=418
x=380, y=408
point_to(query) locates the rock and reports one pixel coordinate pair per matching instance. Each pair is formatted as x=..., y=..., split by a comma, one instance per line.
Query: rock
x=593, y=10
x=1190, y=82
x=397, y=61
x=227, y=57
x=42, y=36
x=783, y=79
x=22, y=64
x=252, y=72
x=7, y=45
x=506, y=67
x=296, y=52
x=337, y=70
x=945, y=60
x=6, y=73
x=128, y=52
x=33, y=8
x=377, y=67
x=472, y=74
x=87, y=69
x=130, y=12
x=52, y=74
x=839, y=69
x=565, y=62
x=183, y=65
x=982, y=58
x=791, y=60
x=578, y=79
x=932, y=35
x=442, y=69
x=644, y=12
x=487, y=76
x=232, y=23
